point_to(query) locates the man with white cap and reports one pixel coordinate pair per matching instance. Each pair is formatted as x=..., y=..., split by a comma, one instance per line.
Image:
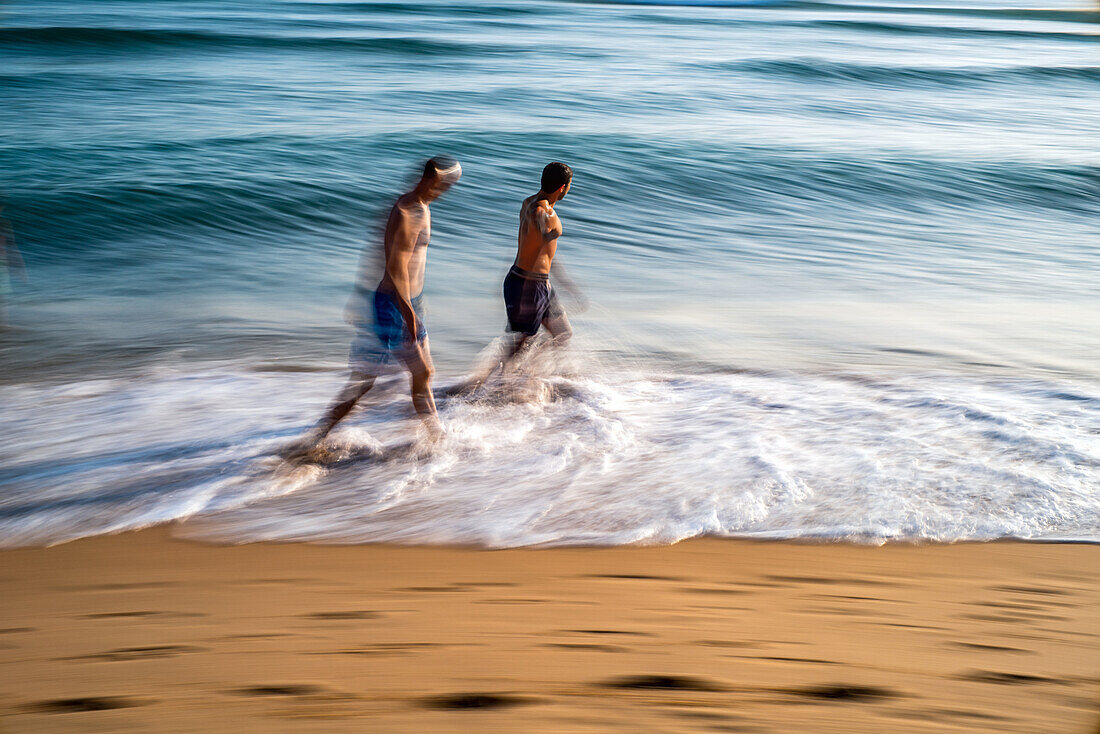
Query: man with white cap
x=397, y=329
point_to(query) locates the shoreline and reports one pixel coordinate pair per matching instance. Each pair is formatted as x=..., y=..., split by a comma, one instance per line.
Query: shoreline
x=166, y=528
x=143, y=631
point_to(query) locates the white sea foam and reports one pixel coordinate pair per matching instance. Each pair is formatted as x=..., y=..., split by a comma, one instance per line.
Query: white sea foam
x=623, y=455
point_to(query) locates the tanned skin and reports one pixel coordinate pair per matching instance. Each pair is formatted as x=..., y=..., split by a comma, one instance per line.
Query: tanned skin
x=537, y=243
x=539, y=230
x=408, y=231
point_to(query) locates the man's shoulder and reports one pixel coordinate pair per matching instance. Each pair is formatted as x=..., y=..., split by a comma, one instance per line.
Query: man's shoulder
x=410, y=206
x=537, y=204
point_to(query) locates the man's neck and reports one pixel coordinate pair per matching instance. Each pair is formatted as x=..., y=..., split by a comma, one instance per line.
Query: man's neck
x=420, y=195
x=552, y=198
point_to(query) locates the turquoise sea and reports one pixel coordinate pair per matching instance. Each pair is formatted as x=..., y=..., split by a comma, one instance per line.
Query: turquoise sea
x=843, y=265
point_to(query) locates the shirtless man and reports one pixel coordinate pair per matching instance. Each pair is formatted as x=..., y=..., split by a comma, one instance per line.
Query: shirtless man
x=397, y=328
x=529, y=299
x=528, y=295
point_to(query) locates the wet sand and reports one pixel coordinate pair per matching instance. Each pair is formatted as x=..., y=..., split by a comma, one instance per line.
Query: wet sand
x=142, y=632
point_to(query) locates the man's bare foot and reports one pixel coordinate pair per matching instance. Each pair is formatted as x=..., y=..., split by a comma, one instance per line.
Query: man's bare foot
x=304, y=446
x=431, y=430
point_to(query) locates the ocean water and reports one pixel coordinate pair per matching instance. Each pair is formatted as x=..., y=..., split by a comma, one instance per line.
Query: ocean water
x=841, y=262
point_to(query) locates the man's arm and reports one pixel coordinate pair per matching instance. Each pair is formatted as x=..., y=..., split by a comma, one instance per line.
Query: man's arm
x=402, y=246
x=549, y=225
x=561, y=277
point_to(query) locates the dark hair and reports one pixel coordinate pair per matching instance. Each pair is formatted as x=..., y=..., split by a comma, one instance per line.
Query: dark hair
x=555, y=175
x=433, y=166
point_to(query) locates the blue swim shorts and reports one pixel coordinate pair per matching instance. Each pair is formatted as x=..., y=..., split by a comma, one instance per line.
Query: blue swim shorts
x=378, y=341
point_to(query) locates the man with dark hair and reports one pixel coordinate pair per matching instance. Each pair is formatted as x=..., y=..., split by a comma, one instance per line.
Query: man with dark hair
x=396, y=330
x=528, y=295
x=529, y=298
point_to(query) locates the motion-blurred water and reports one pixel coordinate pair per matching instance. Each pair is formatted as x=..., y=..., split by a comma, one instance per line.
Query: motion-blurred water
x=842, y=262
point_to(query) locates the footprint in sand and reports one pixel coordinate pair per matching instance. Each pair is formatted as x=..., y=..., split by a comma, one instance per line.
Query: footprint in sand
x=141, y=614
x=91, y=703
x=662, y=683
x=285, y=689
x=460, y=701
x=139, y=653
x=586, y=647
x=842, y=692
x=631, y=577
x=989, y=648
x=1010, y=679
x=343, y=615
x=387, y=648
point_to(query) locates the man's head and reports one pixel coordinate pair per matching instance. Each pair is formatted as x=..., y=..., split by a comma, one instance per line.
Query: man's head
x=440, y=173
x=556, y=178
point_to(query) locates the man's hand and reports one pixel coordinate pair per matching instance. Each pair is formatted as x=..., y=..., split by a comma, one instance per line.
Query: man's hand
x=410, y=335
x=548, y=223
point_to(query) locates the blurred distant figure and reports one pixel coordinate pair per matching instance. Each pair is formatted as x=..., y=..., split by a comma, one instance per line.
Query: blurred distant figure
x=529, y=297
x=10, y=261
x=397, y=329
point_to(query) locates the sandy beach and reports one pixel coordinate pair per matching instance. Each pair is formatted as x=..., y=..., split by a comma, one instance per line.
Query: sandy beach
x=827, y=275
x=144, y=632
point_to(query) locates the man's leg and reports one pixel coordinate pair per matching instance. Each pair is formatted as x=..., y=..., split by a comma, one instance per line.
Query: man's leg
x=525, y=312
x=556, y=322
x=514, y=343
x=358, y=385
x=559, y=331
x=525, y=301
x=558, y=326
x=418, y=360
x=535, y=306
x=517, y=343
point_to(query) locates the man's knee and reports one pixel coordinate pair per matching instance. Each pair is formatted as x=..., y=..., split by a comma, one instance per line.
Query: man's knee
x=355, y=388
x=560, y=330
x=423, y=377
x=518, y=341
